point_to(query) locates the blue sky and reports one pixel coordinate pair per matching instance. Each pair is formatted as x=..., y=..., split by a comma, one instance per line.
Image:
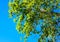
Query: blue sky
x=8, y=32
x=7, y=26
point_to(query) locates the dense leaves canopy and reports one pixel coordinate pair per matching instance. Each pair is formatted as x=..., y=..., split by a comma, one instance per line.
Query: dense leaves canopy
x=27, y=14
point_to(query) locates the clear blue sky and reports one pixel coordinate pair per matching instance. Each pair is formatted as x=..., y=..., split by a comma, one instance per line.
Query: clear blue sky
x=8, y=32
x=7, y=26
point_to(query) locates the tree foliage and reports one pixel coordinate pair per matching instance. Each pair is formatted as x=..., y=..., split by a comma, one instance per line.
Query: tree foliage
x=27, y=14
